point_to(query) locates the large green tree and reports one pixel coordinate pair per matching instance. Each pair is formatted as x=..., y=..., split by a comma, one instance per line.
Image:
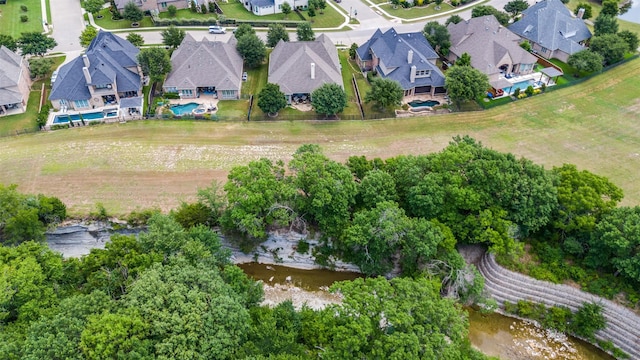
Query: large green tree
x=9, y=42
x=329, y=99
x=438, y=36
x=586, y=60
x=244, y=29
x=88, y=34
x=304, y=32
x=132, y=12
x=93, y=6
x=631, y=38
x=611, y=46
x=40, y=67
x=610, y=8
x=135, y=39
x=172, y=36
x=155, y=63
x=465, y=83
x=605, y=24
x=252, y=49
x=482, y=10
x=35, y=43
x=385, y=93
x=515, y=7
x=588, y=11
x=271, y=99
x=276, y=33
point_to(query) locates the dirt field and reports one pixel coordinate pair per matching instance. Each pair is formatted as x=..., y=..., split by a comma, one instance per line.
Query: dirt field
x=595, y=125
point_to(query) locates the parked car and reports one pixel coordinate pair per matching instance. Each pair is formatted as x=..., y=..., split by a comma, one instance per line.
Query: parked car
x=54, y=76
x=216, y=30
x=244, y=76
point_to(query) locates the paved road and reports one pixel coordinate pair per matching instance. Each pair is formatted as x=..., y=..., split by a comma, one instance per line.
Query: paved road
x=68, y=23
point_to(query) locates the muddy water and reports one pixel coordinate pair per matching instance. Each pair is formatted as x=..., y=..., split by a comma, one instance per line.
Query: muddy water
x=493, y=334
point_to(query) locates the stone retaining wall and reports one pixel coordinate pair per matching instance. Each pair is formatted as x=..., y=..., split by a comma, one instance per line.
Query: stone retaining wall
x=623, y=325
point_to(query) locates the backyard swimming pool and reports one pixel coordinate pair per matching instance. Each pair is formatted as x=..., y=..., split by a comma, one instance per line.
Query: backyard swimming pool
x=522, y=85
x=91, y=116
x=184, y=109
x=421, y=103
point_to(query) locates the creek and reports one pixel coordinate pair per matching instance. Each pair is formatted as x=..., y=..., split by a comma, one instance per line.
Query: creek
x=493, y=334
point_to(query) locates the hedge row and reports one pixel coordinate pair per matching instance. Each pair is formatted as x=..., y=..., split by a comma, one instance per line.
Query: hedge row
x=157, y=21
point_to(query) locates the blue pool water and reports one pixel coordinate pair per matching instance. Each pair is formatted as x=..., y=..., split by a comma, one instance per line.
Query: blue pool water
x=419, y=103
x=522, y=85
x=184, y=108
x=61, y=119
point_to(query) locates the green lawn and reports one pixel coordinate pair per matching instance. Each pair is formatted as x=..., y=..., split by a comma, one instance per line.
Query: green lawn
x=142, y=164
x=10, y=23
x=109, y=24
x=233, y=109
x=330, y=18
x=348, y=70
x=187, y=14
x=234, y=10
x=416, y=11
x=256, y=78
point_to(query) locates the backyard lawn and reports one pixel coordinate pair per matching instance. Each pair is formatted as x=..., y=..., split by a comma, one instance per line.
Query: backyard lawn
x=109, y=24
x=233, y=109
x=416, y=11
x=161, y=163
x=256, y=78
x=10, y=13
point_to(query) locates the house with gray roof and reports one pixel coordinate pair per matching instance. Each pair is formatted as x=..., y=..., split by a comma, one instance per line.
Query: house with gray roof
x=205, y=67
x=494, y=50
x=300, y=67
x=267, y=7
x=104, y=75
x=552, y=30
x=407, y=58
x=15, y=82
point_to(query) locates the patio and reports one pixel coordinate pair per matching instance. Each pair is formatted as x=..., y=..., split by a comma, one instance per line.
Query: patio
x=504, y=86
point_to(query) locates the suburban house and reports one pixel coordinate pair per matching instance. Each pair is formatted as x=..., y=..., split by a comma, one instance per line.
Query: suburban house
x=159, y=5
x=494, y=50
x=266, y=7
x=205, y=67
x=106, y=75
x=302, y=66
x=15, y=82
x=552, y=30
x=407, y=58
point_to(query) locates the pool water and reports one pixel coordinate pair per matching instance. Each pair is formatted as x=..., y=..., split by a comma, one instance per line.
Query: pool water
x=61, y=119
x=522, y=85
x=183, y=109
x=419, y=103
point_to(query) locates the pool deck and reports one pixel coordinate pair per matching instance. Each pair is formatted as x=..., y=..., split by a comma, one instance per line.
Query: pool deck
x=208, y=101
x=63, y=112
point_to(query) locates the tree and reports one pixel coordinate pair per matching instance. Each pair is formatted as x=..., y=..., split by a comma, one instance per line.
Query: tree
x=35, y=43
x=375, y=187
x=276, y=33
x=203, y=8
x=305, y=32
x=155, y=63
x=515, y=7
x=40, y=67
x=9, y=42
x=311, y=12
x=465, y=83
x=286, y=9
x=88, y=34
x=172, y=36
x=132, y=12
x=93, y=6
x=630, y=38
x=453, y=19
x=610, y=8
x=244, y=29
x=588, y=10
x=353, y=51
x=172, y=10
x=464, y=60
x=482, y=10
x=116, y=336
x=611, y=46
x=605, y=24
x=438, y=37
x=271, y=99
x=252, y=49
x=586, y=61
x=385, y=93
x=329, y=99
x=322, y=4
x=135, y=39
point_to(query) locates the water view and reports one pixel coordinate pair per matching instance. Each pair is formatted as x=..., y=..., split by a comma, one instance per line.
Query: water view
x=633, y=14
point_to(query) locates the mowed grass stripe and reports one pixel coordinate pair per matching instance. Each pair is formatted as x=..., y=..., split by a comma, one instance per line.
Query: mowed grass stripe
x=595, y=125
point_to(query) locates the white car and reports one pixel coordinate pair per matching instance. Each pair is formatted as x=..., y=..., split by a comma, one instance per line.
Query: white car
x=216, y=30
x=54, y=76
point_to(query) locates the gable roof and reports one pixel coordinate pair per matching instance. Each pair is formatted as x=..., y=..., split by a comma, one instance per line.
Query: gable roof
x=550, y=24
x=205, y=63
x=487, y=42
x=111, y=60
x=290, y=65
x=262, y=3
x=392, y=49
x=10, y=72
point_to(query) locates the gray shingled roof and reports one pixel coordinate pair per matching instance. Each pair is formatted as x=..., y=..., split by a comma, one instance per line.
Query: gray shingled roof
x=487, y=42
x=392, y=49
x=262, y=3
x=109, y=57
x=550, y=24
x=10, y=67
x=290, y=65
x=205, y=63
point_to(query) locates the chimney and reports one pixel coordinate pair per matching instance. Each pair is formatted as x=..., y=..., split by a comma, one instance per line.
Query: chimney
x=87, y=76
x=410, y=56
x=580, y=13
x=313, y=71
x=85, y=59
x=412, y=76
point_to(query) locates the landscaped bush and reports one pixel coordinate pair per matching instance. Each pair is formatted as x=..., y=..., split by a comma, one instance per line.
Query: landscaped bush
x=23, y=8
x=24, y=18
x=59, y=126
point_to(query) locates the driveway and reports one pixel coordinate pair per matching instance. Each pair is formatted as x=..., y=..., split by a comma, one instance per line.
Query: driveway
x=68, y=23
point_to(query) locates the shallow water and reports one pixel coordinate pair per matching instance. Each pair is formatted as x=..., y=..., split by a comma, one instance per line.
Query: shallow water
x=493, y=334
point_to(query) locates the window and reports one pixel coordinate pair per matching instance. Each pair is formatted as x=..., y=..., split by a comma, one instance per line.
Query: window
x=172, y=89
x=163, y=5
x=544, y=49
x=423, y=73
x=228, y=94
x=81, y=104
x=105, y=86
x=64, y=102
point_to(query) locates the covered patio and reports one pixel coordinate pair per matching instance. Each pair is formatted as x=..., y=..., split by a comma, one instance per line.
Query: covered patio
x=551, y=74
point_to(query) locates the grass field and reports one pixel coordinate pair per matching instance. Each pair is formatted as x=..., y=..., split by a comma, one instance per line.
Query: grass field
x=415, y=12
x=160, y=163
x=10, y=13
x=109, y=24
